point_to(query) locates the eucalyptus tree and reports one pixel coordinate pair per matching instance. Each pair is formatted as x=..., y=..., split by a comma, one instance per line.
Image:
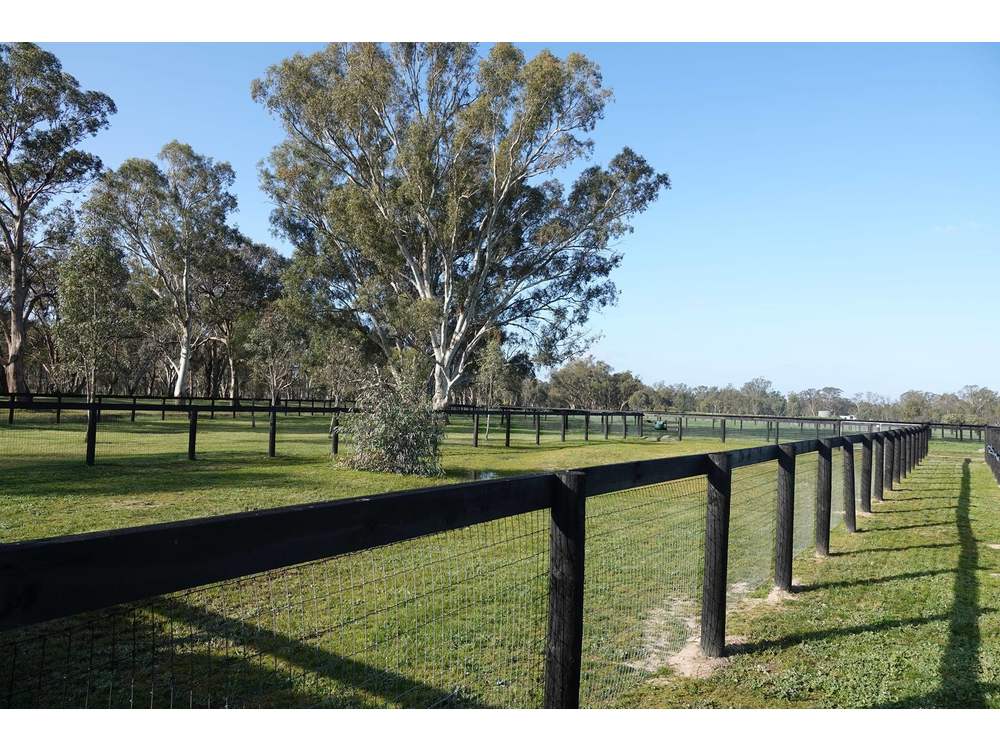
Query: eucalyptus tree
x=171, y=221
x=44, y=117
x=235, y=284
x=95, y=313
x=418, y=185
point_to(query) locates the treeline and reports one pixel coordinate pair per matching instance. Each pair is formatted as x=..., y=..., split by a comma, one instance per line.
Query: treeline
x=587, y=383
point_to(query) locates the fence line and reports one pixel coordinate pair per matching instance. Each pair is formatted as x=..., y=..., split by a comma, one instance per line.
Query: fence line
x=411, y=582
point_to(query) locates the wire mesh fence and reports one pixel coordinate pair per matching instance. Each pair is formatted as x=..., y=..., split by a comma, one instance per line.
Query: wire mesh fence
x=752, y=528
x=643, y=586
x=452, y=619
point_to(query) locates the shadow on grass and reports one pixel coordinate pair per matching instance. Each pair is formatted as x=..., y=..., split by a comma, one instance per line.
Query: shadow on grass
x=960, y=666
x=353, y=683
x=870, y=581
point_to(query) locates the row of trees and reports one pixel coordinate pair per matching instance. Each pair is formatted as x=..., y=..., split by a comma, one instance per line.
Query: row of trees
x=590, y=384
x=416, y=183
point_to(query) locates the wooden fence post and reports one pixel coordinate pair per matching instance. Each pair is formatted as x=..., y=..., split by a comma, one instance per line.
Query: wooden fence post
x=538, y=429
x=624, y=426
x=607, y=424
x=777, y=429
x=564, y=638
x=850, y=518
x=10, y=411
x=723, y=430
x=91, y=433
x=132, y=418
x=890, y=460
x=475, y=429
x=58, y=409
x=866, y=473
x=272, y=429
x=586, y=427
x=897, y=456
x=680, y=429
x=163, y=409
x=824, y=489
x=713, y=598
x=506, y=429
x=786, y=517
x=192, y=431
x=641, y=420
x=335, y=437
x=562, y=426
x=878, y=466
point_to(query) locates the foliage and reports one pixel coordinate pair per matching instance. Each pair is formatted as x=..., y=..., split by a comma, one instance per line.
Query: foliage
x=44, y=116
x=171, y=222
x=273, y=347
x=97, y=317
x=395, y=429
x=417, y=184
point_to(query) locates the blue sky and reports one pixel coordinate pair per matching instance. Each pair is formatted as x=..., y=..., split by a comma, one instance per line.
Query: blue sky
x=834, y=217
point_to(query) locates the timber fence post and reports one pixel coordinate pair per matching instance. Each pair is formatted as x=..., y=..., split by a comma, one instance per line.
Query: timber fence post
x=538, y=429
x=335, y=437
x=878, y=482
x=897, y=457
x=506, y=429
x=91, y=433
x=785, y=527
x=564, y=637
x=850, y=516
x=586, y=427
x=475, y=429
x=866, y=473
x=723, y=422
x=713, y=599
x=272, y=428
x=824, y=489
x=192, y=431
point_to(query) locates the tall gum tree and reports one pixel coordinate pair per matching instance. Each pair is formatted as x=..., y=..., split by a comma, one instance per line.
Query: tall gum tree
x=170, y=219
x=44, y=116
x=416, y=183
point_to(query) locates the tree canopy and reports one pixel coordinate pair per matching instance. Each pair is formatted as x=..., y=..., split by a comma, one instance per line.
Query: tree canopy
x=418, y=185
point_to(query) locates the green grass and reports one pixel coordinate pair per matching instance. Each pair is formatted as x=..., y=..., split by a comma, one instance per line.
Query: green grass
x=904, y=614
x=142, y=474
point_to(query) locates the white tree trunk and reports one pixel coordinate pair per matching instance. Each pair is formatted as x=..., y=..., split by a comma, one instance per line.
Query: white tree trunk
x=183, y=362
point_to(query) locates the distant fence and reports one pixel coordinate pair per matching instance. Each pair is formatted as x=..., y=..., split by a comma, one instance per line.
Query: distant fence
x=774, y=428
x=992, y=442
x=555, y=589
x=59, y=426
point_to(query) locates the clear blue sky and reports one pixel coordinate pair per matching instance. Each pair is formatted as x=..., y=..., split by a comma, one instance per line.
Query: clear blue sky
x=834, y=220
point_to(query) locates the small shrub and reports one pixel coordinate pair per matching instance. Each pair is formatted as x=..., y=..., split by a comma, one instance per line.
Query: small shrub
x=395, y=430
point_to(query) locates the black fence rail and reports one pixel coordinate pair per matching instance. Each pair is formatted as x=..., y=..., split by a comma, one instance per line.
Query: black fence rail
x=554, y=589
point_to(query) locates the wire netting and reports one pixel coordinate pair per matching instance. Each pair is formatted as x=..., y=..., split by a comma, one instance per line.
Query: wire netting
x=34, y=439
x=453, y=619
x=804, y=520
x=752, y=519
x=642, y=589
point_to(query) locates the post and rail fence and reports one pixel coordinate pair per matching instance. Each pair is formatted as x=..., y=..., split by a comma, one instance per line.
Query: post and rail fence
x=47, y=582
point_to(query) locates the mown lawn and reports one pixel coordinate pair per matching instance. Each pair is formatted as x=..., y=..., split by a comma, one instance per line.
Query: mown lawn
x=904, y=614
x=142, y=474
